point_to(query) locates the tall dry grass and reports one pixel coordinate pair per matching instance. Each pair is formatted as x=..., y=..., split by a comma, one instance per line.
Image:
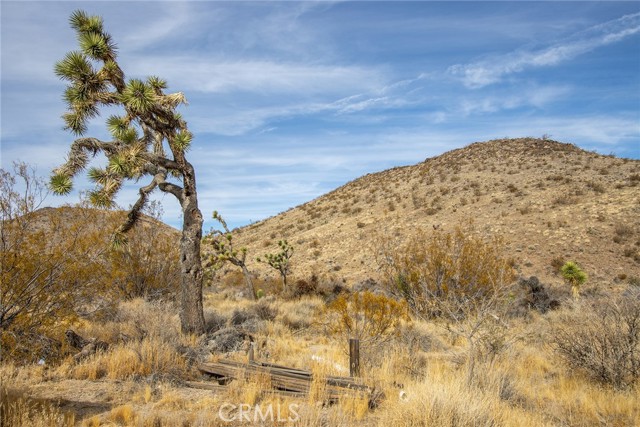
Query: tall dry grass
x=134, y=360
x=17, y=409
x=421, y=371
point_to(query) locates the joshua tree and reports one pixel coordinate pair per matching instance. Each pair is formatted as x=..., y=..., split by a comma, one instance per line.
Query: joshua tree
x=149, y=139
x=574, y=276
x=280, y=261
x=221, y=242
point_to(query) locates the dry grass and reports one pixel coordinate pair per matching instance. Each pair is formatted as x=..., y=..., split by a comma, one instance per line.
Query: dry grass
x=138, y=359
x=519, y=379
x=16, y=410
x=421, y=372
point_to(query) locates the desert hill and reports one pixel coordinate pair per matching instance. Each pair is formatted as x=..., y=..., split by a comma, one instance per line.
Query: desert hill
x=548, y=200
x=61, y=226
x=103, y=220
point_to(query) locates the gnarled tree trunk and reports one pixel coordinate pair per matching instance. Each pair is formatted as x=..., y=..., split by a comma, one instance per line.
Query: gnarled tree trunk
x=191, y=311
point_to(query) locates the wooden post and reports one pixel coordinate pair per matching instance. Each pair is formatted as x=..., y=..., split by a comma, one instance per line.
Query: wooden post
x=252, y=347
x=354, y=357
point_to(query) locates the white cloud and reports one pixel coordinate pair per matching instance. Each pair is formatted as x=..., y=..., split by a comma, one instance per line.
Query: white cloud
x=248, y=69
x=486, y=72
x=261, y=77
x=242, y=119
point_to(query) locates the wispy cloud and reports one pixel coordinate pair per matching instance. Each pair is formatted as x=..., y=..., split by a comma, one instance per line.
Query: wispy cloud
x=492, y=70
x=171, y=17
x=536, y=96
x=242, y=119
x=260, y=77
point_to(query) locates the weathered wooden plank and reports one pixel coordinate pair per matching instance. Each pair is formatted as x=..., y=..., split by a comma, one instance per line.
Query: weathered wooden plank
x=283, y=378
x=205, y=385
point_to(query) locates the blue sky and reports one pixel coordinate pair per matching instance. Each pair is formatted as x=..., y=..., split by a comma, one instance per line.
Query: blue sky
x=289, y=100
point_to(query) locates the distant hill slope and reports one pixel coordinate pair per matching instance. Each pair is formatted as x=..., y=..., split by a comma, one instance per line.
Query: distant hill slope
x=102, y=220
x=547, y=199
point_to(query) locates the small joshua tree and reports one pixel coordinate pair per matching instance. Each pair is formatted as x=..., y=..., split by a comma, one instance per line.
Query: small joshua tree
x=221, y=241
x=574, y=276
x=280, y=261
x=148, y=139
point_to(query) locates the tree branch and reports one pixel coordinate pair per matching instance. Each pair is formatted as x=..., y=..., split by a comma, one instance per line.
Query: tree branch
x=160, y=161
x=174, y=189
x=134, y=213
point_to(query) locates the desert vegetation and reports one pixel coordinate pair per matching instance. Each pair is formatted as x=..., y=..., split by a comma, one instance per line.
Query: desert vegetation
x=58, y=265
x=449, y=336
x=531, y=370
x=428, y=267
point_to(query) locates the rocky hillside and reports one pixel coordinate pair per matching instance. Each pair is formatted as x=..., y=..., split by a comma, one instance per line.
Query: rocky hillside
x=547, y=199
x=82, y=220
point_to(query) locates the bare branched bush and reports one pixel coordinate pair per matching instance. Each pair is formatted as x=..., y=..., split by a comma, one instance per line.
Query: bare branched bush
x=459, y=277
x=42, y=268
x=148, y=266
x=446, y=274
x=603, y=340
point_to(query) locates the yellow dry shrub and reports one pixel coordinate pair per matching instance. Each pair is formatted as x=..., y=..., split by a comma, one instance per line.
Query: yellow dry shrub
x=46, y=269
x=91, y=422
x=148, y=266
x=123, y=415
x=55, y=261
x=373, y=319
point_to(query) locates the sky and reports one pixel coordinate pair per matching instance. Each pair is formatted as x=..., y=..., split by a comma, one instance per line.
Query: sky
x=290, y=100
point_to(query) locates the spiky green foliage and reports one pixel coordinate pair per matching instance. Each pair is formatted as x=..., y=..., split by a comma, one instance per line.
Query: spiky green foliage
x=156, y=82
x=94, y=44
x=149, y=138
x=574, y=276
x=82, y=22
x=100, y=199
x=182, y=140
x=95, y=79
x=138, y=96
x=74, y=66
x=118, y=127
x=98, y=175
x=280, y=261
x=61, y=184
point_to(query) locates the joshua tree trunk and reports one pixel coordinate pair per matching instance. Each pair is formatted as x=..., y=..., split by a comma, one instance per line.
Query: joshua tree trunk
x=191, y=311
x=249, y=282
